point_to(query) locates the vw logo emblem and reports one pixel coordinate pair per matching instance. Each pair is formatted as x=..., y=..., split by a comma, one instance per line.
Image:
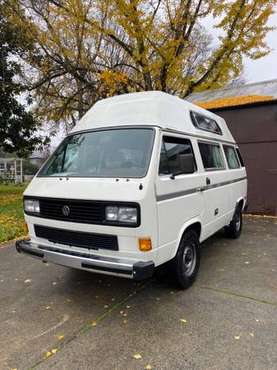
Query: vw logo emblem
x=65, y=210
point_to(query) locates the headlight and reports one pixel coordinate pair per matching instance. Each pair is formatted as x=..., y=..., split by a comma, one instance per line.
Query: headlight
x=31, y=206
x=122, y=214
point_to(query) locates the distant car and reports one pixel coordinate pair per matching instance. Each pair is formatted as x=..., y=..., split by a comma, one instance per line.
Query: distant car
x=141, y=181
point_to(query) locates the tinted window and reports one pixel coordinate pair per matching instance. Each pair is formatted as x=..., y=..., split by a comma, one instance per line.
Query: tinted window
x=176, y=156
x=205, y=123
x=212, y=156
x=107, y=153
x=231, y=157
x=240, y=157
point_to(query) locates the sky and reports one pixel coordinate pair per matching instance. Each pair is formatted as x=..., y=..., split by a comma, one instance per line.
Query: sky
x=264, y=68
x=255, y=70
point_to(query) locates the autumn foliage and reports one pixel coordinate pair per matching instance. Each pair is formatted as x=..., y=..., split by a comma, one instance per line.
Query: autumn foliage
x=90, y=49
x=233, y=101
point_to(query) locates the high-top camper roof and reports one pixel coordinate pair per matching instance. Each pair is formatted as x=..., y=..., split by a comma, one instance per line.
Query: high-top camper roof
x=151, y=108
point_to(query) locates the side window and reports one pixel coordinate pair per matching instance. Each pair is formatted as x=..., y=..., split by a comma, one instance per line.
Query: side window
x=231, y=157
x=205, y=123
x=212, y=156
x=240, y=157
x=176, y=156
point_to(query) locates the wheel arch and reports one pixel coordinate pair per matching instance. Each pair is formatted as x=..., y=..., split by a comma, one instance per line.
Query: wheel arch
x=193, y=224
x=240, y=204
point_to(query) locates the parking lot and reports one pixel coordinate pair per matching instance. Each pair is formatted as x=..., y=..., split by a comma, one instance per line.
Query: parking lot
x=54, y=317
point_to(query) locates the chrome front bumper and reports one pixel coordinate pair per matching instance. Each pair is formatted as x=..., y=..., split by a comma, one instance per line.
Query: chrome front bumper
x=105, y=265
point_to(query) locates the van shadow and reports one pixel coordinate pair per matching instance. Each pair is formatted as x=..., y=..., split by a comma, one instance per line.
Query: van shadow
x=91, y=287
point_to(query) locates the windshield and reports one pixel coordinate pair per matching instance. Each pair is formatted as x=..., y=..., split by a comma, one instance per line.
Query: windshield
x=107, y=153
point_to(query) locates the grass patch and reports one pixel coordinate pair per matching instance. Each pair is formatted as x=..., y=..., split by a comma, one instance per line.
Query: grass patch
x=11, y=212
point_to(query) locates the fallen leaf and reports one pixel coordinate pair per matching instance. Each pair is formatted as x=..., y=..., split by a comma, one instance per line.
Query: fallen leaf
x=54, y=283
x=251, y=335
x=148, y=367
x=128, y=307
x=121, y=312
x=237, y=337
x=54, y=351
x=60, y=337
x=137, y=356
x=94, y=323
x=47, y=307
x=27, y=281
x=183, y=321
x=247, y=262
x=257, y=320
x=106, y=306
x=48, y=354
x=125, y=314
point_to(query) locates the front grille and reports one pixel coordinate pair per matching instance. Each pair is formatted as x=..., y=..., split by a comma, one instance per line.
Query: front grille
x=77, y=238
x=89, y=212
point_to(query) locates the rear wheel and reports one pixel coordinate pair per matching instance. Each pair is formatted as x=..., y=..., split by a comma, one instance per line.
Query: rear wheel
x=234, y=229
x=186, y=263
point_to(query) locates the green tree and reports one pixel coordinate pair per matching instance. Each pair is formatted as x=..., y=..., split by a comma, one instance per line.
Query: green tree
x=18, y=127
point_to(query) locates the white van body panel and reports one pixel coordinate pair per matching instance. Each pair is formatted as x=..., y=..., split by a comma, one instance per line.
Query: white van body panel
x=152, y=108
x=167, y=206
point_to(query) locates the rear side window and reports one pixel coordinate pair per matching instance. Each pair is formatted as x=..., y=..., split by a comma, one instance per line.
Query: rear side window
x=240, y=157
x=176, y=156
x=231, y=156
x=205, y=123
x=212, y=156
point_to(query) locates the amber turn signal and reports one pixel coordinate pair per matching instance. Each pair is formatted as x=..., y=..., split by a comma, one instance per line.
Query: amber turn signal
x=145, y=244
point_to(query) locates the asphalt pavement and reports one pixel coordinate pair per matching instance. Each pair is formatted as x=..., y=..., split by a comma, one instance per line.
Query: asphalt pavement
x=52, y=317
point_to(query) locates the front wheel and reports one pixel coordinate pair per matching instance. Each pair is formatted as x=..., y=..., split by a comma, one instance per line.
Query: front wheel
x=187, y=260
x=234, y=229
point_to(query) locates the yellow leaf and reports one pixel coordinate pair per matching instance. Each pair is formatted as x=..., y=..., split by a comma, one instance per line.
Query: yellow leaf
x=54, y=351
x=148, y=367
x=48, y=354
x=60, y=337
x=237, y=337
x=94, y=323
x=137, y=356
x=184, y=321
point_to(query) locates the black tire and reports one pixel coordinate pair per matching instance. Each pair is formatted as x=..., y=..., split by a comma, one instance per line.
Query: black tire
x=233, y=230
x=187, y=260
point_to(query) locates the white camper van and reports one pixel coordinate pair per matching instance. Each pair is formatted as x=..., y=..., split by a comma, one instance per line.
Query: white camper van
x=142, y=180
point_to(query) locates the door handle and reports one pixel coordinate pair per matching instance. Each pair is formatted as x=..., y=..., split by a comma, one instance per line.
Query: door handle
x=208, y=181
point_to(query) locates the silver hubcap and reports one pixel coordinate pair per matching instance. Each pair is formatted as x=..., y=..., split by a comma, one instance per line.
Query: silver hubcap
x=189, y=259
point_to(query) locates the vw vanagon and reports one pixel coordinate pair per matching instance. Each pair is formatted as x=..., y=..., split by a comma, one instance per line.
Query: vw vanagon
x=141, y=181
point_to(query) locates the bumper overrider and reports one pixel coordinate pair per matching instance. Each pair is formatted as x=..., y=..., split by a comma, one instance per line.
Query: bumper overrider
x=114, y=266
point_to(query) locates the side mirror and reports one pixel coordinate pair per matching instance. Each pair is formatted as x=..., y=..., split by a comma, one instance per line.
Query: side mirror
x=187, y=163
